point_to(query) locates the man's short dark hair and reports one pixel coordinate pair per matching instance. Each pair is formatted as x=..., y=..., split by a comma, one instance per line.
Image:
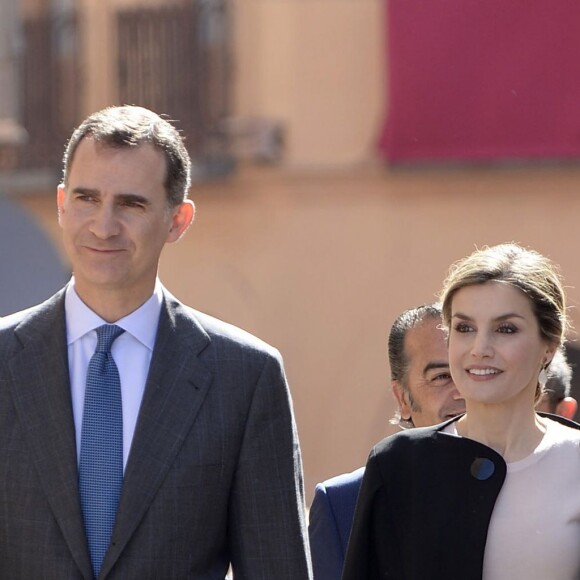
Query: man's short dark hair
x=131, y=126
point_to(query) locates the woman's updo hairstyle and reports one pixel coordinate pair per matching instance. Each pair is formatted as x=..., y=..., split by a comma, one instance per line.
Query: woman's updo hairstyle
x=528, y=271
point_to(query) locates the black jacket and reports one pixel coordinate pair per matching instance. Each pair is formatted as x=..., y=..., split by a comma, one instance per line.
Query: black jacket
x=424, y=507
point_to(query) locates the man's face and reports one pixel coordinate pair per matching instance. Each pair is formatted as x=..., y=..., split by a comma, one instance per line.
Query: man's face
x=433, y=396
x=115, y=218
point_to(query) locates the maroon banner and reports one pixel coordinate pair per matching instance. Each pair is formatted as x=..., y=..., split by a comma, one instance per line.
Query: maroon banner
x=478, y=80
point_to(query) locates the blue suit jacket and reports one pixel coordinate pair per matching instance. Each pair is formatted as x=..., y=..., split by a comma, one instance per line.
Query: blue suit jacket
x=331, y=516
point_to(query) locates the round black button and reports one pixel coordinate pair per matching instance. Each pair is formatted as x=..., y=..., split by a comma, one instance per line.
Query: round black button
x=482, y=468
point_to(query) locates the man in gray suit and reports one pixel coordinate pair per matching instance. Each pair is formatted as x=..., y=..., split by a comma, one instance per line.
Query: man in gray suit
x=210, y=466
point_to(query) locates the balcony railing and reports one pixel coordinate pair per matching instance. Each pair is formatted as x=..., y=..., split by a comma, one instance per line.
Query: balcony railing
x=51, y=85
x=176, y=60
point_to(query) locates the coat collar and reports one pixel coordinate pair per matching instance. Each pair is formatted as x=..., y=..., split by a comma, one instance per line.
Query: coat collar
x=38, y=378
x=557, y=418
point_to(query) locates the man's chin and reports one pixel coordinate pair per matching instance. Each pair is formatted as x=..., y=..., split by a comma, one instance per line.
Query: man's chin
x=105, y=281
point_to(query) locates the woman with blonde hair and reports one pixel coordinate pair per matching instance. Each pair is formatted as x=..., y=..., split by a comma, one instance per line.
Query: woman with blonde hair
x=492, y=494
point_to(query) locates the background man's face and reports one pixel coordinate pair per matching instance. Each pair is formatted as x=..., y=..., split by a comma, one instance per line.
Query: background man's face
x=433, y=396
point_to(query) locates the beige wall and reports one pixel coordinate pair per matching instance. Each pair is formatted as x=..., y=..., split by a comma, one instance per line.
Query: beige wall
x=321, y=264
x=98, y=49
x=318, y=67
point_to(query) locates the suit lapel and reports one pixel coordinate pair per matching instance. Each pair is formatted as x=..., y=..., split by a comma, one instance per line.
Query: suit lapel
x=40, y=387
x=176, y=387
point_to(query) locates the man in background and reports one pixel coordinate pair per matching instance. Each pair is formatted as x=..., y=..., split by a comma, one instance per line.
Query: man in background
x=557, y=399
x=425, y=394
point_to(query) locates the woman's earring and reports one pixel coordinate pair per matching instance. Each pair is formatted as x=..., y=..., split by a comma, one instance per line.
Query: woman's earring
x=543, y=378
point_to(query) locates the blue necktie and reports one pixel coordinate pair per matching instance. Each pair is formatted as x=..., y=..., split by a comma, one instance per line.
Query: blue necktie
x=101, y=461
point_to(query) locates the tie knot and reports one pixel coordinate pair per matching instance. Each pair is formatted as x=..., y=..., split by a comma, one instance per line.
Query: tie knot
x=107, y=335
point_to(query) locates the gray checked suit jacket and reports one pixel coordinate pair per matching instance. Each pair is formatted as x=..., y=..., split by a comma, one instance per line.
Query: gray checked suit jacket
x=214, y=474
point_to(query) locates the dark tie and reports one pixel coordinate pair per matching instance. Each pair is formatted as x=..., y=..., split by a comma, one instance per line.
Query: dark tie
x=101, y=461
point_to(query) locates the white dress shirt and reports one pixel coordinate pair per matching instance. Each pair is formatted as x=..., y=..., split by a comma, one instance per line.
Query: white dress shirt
x=131, y=351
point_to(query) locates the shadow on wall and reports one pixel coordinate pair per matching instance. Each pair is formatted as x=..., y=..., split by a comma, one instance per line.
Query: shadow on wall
x=30, y=268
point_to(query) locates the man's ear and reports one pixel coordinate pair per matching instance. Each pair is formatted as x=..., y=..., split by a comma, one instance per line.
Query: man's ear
x=60, y=195
x=402, y=399
x=550, y=352
x=567, y=408
x=182, y=218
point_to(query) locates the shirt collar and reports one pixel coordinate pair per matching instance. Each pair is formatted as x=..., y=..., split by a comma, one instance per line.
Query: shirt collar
x=141, y=323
